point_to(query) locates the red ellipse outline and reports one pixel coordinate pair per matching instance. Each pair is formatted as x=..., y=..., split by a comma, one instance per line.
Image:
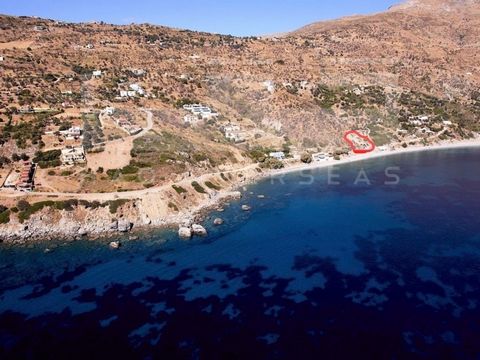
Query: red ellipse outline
x=352, y=145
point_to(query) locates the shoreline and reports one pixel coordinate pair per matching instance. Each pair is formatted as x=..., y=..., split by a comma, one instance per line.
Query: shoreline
x=352, y=158
x=216, y=199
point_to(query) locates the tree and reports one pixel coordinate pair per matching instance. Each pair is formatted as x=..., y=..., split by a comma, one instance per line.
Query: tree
x=23, y=205
x=306, y=158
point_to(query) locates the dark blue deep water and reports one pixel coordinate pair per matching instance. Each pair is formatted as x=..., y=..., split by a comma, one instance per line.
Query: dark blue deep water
x=313, y=271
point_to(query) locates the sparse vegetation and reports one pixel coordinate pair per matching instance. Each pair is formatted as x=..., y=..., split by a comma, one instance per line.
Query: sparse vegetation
x=180, y=190
x=198, y=188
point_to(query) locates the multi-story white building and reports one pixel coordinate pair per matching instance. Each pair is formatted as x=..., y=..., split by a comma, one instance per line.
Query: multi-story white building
x=73, y=155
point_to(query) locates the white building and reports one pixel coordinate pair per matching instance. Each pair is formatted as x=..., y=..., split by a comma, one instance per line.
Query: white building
x=279, y=155
x=97, y=74
x=200, y=110
x=72, y=133
x=73, y=155
x=2, y=58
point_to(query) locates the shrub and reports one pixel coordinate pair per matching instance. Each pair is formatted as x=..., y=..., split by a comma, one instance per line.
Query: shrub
x=271, y=163
x=115, y=204
x=129, y=169
x=179, y=189
x=171, y=205
x=212, y=186
x=113, y=173
x=23, y=205
x=198, y=188
x=5, y=217
x=32, y=209
x=306, y=158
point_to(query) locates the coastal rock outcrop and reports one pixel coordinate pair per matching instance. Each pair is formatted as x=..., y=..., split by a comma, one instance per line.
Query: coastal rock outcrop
x=218, y=221
x=199, y=230
x=124, y=225
x=185, y=232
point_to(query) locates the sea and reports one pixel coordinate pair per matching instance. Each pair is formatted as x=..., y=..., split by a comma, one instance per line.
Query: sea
x=376, y=259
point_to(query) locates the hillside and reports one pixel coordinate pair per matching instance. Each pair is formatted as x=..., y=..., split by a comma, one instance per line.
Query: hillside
x=407, y=76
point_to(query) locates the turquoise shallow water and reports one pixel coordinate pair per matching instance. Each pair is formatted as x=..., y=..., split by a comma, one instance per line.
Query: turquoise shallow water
x=312, y=271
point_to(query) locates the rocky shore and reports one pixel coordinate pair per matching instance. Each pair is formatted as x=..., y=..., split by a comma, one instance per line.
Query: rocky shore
x=82, y=223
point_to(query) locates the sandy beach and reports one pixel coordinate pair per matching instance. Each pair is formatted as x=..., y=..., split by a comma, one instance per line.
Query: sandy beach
x=377, y=154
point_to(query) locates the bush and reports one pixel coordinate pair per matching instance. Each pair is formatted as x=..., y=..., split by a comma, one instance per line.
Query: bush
x=23, y=205
x=5, y=217
x=271, y=163
x=171, y=205
x=115, y=204
x=113, y=173
x=212, y=186
x=32, y=209
x=47, y=156
x=129, y=169
x=198, y=188
x=179, y=189
x=306, y=158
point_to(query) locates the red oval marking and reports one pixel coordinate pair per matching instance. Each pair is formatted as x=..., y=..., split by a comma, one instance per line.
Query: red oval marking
x=363, y=137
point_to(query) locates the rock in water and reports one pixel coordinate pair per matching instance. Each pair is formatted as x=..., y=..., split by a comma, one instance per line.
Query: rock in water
x=115, y=244
x=199, y=230
x=218, y=221
x=185, y=232
x=246, y=208
x=261, y=196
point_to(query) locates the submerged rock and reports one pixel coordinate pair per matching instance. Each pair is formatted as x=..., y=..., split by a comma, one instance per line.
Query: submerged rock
x=199, y=230
x=218, y=221
x=185, y=232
